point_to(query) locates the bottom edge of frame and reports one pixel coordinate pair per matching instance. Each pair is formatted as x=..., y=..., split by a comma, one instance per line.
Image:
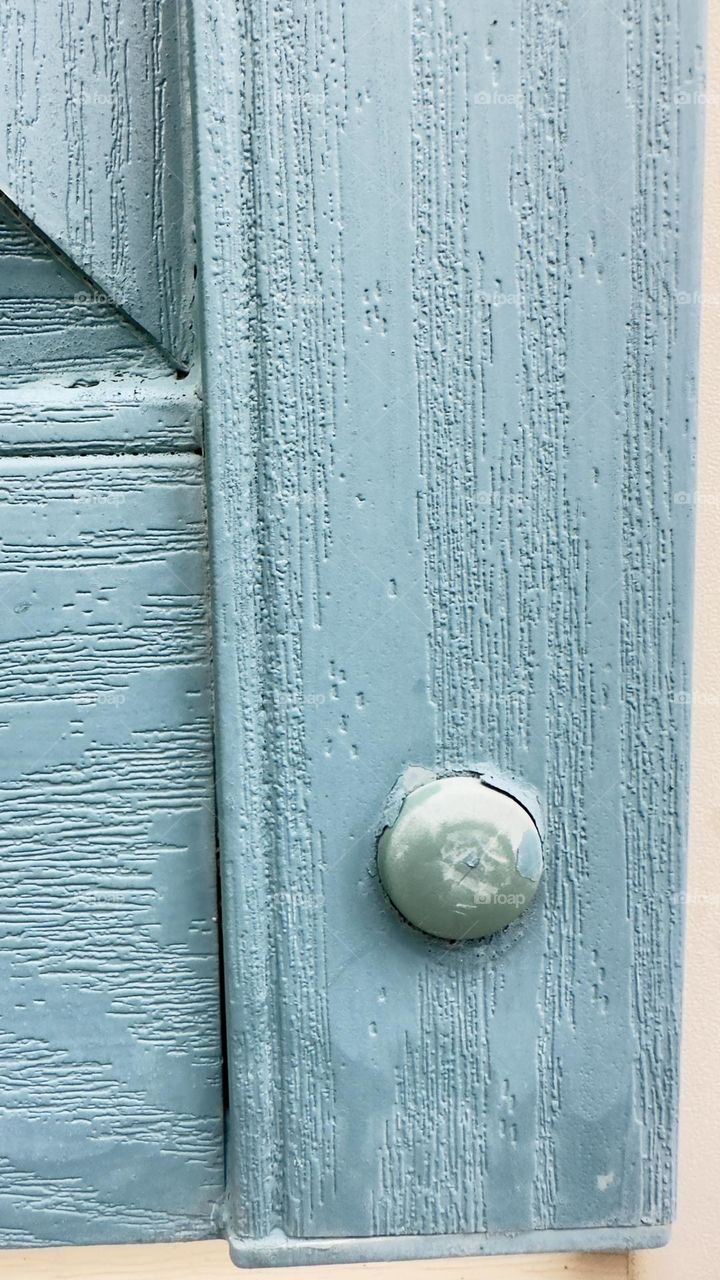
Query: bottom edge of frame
x=279, y=1250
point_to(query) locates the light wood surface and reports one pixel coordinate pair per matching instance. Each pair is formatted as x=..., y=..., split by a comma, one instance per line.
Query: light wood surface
x=210, y=1261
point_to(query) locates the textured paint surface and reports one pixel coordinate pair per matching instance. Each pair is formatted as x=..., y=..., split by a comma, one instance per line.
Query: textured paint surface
x=128, y=415
x=448, y=285
x=94, y=126
x=57, y=325
x=75, y=375
x=110, y=1096
x=111, y=1125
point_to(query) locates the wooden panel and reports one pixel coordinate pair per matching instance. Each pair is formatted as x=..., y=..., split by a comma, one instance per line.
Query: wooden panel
x=110, y=1098
x=76, y=375
x=448, y=286
x=94, y=121
x=131, y=414
x=55, y=324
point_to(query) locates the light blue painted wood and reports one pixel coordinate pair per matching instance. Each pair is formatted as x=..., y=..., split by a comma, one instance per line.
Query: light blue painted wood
x=277, y=1251
x=111, y=1101
x=448, y=266
x=95, y=127
x=99, y=415
x=75, y=373
x=57, y=324
x=110, y=1092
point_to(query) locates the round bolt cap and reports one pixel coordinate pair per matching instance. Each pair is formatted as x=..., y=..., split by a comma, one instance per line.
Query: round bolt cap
x=462, y=859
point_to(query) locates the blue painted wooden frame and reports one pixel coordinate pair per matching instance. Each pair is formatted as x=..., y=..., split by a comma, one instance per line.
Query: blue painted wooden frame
x=449, y=273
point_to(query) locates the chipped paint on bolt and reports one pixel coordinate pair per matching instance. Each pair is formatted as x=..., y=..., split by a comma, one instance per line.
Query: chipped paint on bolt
x=461, y=859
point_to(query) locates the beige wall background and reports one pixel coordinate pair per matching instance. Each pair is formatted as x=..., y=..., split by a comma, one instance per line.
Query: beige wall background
x=694, y=1252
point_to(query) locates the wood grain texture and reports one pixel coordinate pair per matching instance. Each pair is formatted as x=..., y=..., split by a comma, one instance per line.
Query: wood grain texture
x=448, y=276
x=75, y=374
x=55, y=324
x=109, y=1046
x=126, y=415
x=95, y=125
x=693, y=1249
